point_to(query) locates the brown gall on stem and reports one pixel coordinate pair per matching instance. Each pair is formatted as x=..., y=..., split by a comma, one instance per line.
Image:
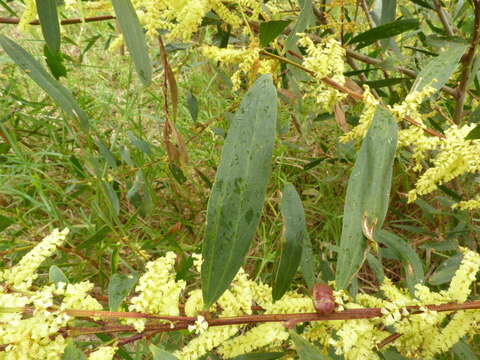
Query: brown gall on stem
x=323, y=300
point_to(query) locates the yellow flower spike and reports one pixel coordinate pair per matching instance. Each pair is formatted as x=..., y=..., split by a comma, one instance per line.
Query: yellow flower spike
x=464, y=277
x=370, y=105
x=324, y=60
x=22, y=275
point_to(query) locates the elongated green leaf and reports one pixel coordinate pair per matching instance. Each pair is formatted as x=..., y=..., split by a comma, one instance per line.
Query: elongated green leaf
x=384, y=31
x=368, y=193
x=305, y=350
x=307, y=263
x=119, y=287
x=159, y=354
x=48, y=16
x=238, y=193
x=444, y=272
x=294, y=235
x=43, y=79
x=440, y=68
x=410, y=259
x=376, y=267
x=260, y=356
x=134, y=38
x=269, y=30
x=305, y=17
x=389, y=10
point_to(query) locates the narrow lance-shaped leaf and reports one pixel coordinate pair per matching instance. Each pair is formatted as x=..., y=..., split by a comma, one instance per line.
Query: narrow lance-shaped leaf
x=238, y=193
x=43, y=79
x=294, y=235
x=48, y=16
x=384, y=31
x=437, y=72
x=134, y=38
x=368, y=193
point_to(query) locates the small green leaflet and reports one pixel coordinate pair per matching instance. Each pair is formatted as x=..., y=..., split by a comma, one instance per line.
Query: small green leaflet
x=43, y=79
x=56, y=275
x=48, y=16
x=437, y=72
x=134, y=38
x=119, y=287
x=294, y=235
x=368, y=194
x=237, y=196
x=384, y=31
x=269, y=30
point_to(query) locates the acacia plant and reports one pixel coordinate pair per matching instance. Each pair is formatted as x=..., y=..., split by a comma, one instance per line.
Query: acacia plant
x=401, y=80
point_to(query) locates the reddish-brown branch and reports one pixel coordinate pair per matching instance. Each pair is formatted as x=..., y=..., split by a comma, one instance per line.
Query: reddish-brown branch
x=388, y=340
x=182, y=322
x=13, y=21
x=467, y=62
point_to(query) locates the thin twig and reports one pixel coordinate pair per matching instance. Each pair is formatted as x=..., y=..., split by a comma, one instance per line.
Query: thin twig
x=443, y=17
x=467, y=61
x=400, y=69
x=388, y=340
x=13, y=21
x=344, y=89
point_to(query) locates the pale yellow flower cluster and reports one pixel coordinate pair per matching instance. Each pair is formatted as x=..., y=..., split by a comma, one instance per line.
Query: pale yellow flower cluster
x=21, y=275
x=423, y=335
x=183, y=17
x=366, y=117
x=250, y=65
x=75, y=296
x=453, y=155
x=158, y=292
x=29, y=14
x=103, y=353
x=325, y=60
x=456, y=156
x=471, y=204
x=36, y=337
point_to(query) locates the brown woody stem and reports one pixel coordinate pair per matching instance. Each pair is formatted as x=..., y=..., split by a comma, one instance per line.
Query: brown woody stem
x=13, y=21
x=467, y=61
